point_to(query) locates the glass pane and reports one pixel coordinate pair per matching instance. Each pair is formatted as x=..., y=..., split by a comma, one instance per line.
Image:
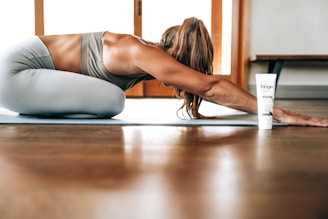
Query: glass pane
x=16, y=21
x=226, y=37
x=158, y=15
x=77, y=16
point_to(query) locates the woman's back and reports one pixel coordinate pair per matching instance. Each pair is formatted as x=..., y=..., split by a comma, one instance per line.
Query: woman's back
x=65, y=51
x=118, y=52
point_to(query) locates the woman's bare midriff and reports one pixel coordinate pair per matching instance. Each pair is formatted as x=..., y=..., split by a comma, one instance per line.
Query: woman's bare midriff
x=65, y=51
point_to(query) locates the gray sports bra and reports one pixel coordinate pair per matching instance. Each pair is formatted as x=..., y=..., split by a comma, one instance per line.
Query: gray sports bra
x=92, y=62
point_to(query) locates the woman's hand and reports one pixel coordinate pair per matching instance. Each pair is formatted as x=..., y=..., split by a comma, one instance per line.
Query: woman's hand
x=295, y=118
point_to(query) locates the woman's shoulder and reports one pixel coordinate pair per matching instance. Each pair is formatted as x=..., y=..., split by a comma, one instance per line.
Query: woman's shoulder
x=126, y=39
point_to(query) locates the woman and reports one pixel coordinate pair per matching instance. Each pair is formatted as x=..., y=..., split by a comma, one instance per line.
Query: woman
x=88, y=73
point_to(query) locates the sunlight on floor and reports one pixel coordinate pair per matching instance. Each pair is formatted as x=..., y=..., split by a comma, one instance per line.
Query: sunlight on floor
x=160, y=108
x=4, y=111
x=167, y=108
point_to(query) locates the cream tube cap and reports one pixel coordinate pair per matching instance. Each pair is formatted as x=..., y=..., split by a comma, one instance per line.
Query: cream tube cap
x=265, y=121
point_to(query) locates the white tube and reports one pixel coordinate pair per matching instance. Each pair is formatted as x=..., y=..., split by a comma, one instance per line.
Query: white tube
x=265, y=89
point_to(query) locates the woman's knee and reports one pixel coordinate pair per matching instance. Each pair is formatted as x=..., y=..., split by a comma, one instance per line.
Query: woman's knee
x=119, y=102
x=114, y=102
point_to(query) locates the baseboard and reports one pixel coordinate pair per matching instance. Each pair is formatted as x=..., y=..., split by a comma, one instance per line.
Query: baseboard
x=298, y=92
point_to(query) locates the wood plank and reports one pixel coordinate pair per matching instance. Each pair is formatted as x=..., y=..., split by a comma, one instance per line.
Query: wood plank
x=216, y=35
x=155, y=88
x=244, y=20
x=239, y=44
x=288, y=57
x=38, y=17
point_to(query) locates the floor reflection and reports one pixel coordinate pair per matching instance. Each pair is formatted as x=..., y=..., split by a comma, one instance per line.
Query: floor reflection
x=170, y=172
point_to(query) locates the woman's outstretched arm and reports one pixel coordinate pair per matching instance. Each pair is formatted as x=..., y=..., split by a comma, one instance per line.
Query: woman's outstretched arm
x=226, y=93
x=211, y=88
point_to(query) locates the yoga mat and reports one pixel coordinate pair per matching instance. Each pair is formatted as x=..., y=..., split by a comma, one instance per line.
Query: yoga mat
x=155, y=112
x=236, y=120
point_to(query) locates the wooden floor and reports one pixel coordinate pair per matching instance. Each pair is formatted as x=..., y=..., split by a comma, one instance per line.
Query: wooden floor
x=102, y=172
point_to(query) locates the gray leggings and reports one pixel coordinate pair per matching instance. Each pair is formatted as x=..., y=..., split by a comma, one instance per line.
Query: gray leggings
x=29, y=84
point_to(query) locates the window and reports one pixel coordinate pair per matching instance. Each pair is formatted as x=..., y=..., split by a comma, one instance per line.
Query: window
x=71, y=16
x=76, y=16
x=226, y=37
x=158, y=15
x=16, y=21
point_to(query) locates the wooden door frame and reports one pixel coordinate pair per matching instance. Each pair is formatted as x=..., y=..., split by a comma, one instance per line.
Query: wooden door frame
x=240, y=42
x=138, y=90
x=38, y=17
x=216, y=34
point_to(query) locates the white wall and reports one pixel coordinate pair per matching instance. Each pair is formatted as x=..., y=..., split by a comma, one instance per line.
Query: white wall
x=291, y=27
x=16, y=21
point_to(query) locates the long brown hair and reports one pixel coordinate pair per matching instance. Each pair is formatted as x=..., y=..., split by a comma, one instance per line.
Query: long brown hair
x=190, y=44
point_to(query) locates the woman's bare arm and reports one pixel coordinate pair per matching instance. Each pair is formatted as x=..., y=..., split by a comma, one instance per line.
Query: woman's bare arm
x=226, y=93
x=211, y=88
